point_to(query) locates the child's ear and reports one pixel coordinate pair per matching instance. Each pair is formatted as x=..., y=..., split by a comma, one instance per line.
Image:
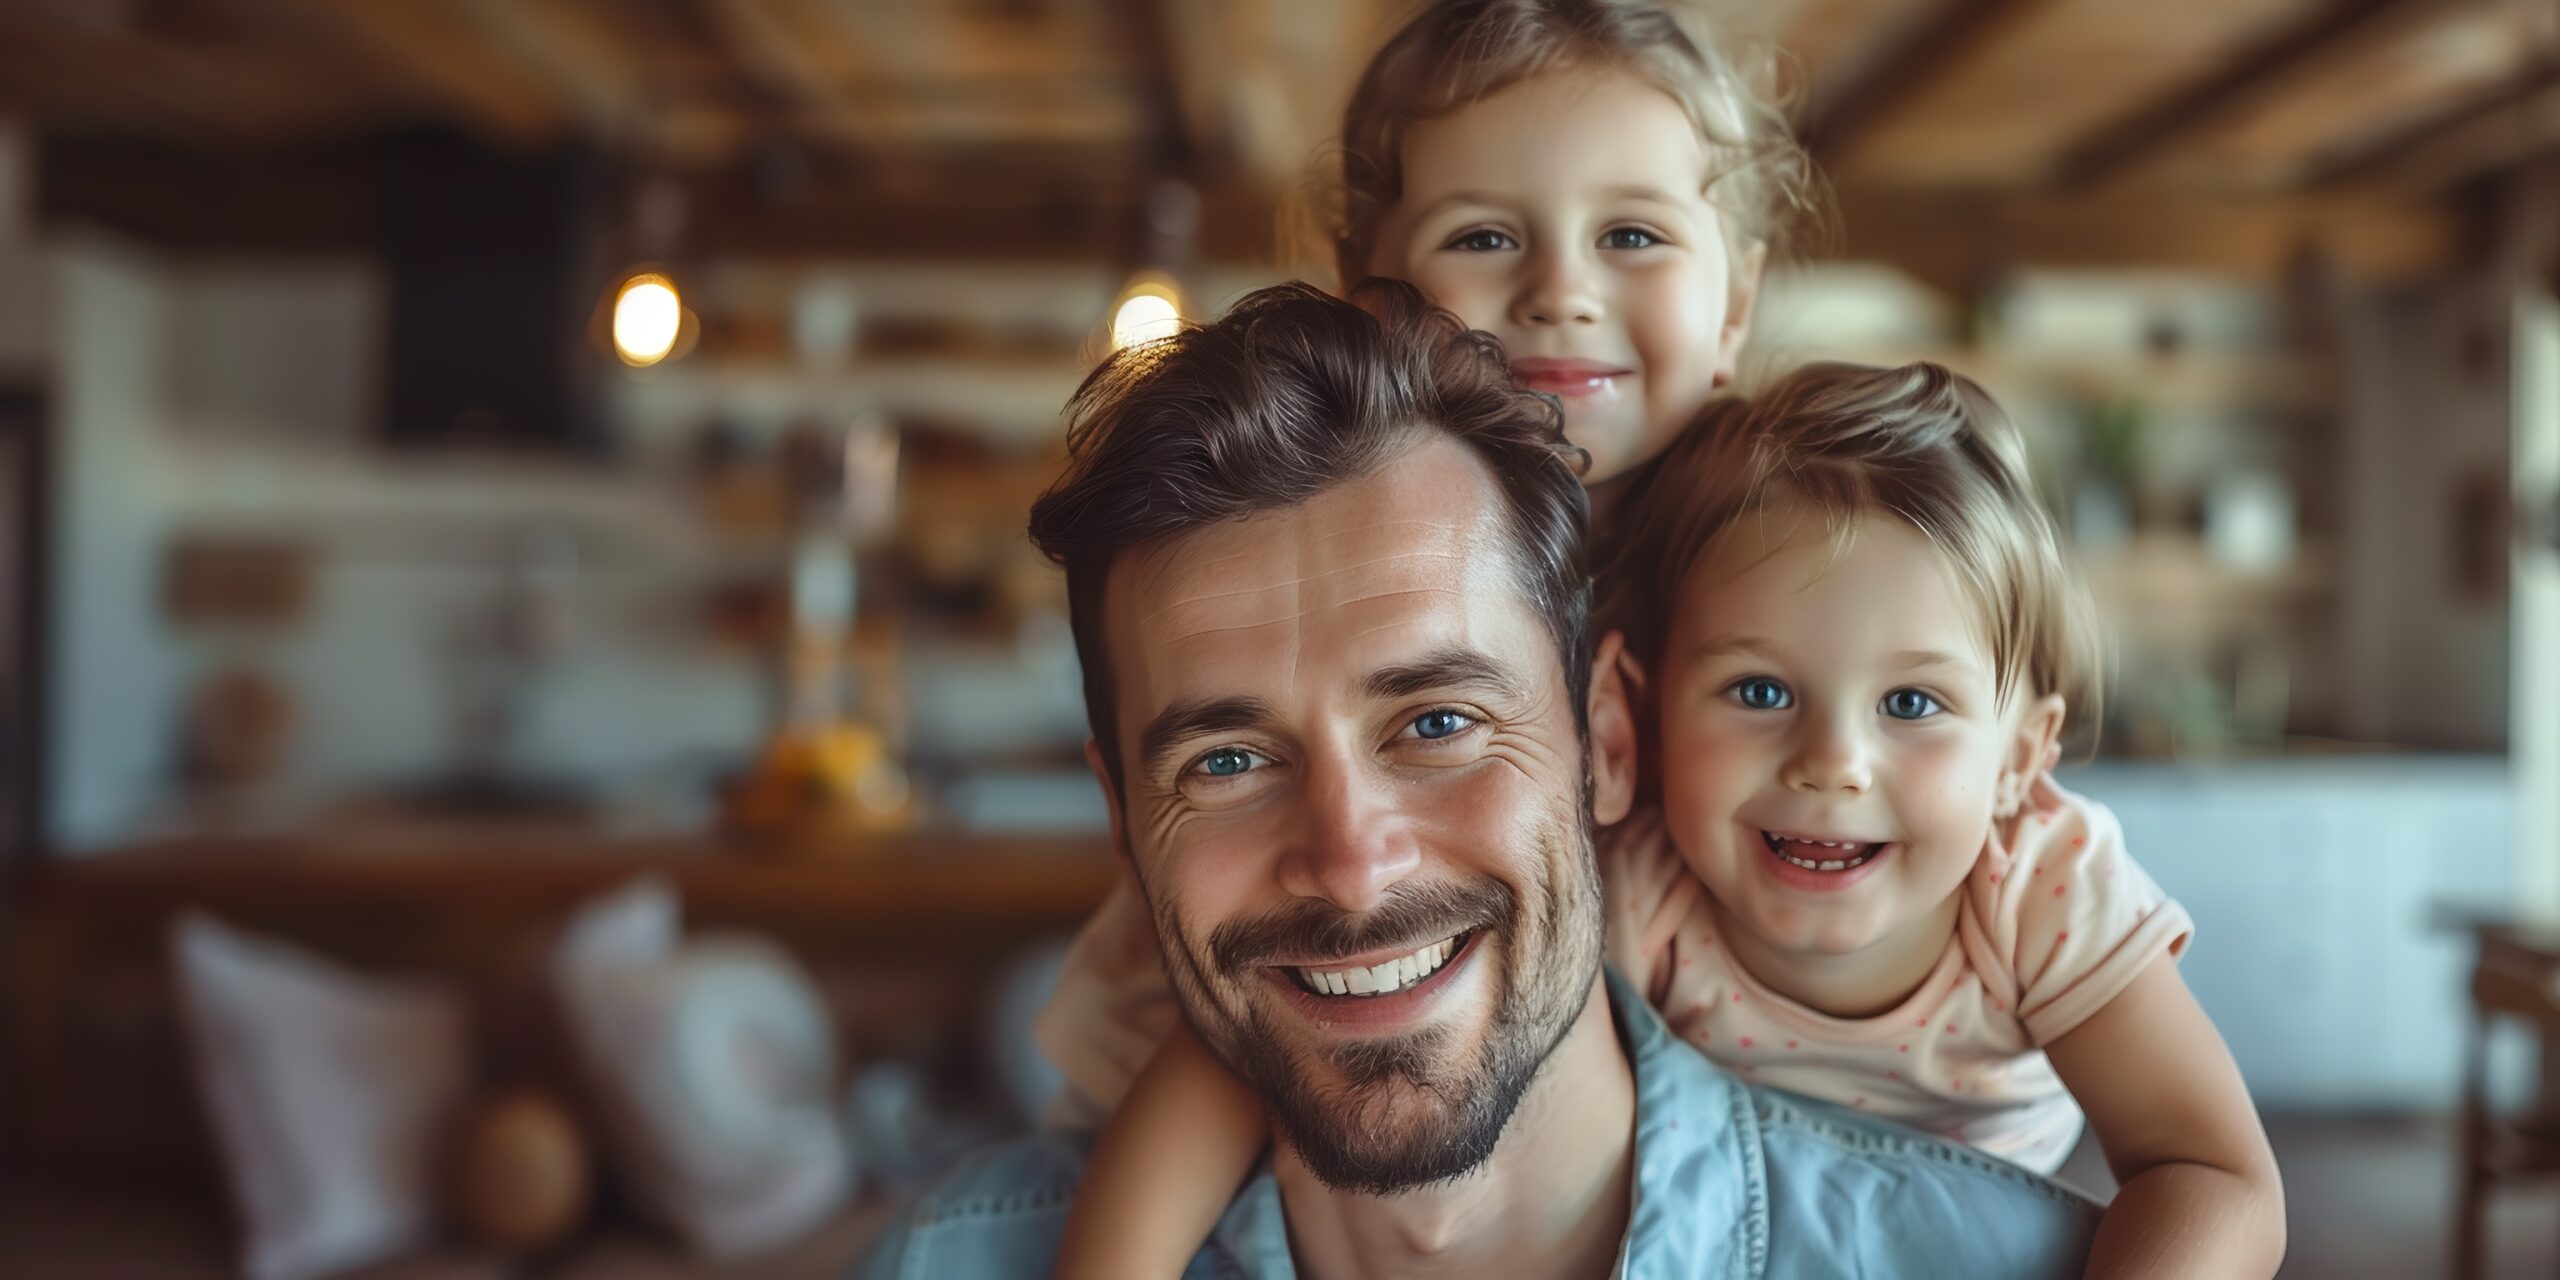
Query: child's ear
x=1617, y=684
x=1110, y=797
x=2035, y=749
x=1743, y=300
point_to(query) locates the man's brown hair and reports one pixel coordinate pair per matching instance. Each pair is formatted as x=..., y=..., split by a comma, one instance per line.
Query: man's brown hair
x=1292, y=393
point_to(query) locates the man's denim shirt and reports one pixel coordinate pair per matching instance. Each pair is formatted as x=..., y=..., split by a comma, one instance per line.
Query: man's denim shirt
x=1730, y=1180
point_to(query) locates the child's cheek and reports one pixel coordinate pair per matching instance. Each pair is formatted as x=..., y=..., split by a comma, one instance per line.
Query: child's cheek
x=1707, y=770
x=1945, y=789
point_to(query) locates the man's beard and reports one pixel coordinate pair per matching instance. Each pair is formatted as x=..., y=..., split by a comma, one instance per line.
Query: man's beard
x=1406, y=1111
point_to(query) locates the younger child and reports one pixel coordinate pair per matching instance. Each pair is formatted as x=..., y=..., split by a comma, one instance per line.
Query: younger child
x=1851, y=625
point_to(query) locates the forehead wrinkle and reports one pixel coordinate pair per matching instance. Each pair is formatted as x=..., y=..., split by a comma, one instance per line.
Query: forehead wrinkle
x=1198, y=633
x=1298, y=586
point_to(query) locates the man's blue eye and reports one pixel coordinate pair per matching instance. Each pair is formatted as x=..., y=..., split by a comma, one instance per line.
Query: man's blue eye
x=1628, y=238
x=1910, y=704
x=1761, y=693
x=1438, y=724
x=1226, y=762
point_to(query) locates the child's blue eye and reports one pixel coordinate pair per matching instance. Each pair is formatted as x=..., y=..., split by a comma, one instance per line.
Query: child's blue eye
x=1485, y=240
x=1433, y=725
x=1628, y=238
x=1226, y=762
x=1910, y=704
x=1760, y=693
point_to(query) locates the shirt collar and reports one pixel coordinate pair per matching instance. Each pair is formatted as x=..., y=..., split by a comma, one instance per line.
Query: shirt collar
x=1700, y=1201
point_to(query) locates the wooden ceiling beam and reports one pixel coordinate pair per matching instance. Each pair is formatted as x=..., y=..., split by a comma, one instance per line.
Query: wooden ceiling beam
x=88, y=76
x=1933, y=47
x=768, y=49
x=567, y=46
x=2265, y=70
x=2487, y=131
x=435, y=49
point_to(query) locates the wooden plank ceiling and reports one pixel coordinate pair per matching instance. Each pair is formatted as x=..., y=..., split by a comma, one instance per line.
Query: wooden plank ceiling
x=2217, y=132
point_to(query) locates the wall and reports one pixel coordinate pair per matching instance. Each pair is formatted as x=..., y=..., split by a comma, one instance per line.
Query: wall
x=2323, y=893
x=2426, y=660
x=238, y=397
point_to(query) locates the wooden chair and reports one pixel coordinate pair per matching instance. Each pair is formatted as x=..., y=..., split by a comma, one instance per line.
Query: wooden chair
x=2518, y=978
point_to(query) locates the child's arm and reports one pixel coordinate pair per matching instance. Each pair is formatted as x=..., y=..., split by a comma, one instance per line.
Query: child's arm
x=1165, y=1167
x=2200, y=1194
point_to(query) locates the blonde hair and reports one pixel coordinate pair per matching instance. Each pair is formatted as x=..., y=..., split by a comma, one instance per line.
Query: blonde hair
x=1456, y=52
x=1917, y=443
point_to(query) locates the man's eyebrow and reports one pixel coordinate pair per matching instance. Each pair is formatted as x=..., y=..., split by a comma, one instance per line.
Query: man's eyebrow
x=1186, y=720
x=1443, y=669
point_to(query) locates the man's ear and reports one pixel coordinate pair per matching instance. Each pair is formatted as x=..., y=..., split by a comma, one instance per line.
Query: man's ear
x=1110, y=797
x=2035, y=748
x=1616, y=683
x=1742, y=301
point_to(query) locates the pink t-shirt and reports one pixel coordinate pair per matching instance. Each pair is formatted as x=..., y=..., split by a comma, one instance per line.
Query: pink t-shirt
x=2055, y=921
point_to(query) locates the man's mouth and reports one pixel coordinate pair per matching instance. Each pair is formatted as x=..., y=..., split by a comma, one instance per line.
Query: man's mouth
x=1383, y=978
x=1821, y=855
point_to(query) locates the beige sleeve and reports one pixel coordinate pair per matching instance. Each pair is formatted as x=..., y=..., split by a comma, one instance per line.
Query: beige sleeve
x=1112, y=1008
x=2084, y=920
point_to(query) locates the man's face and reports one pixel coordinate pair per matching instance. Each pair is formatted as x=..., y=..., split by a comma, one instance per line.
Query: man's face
x=1356, y=801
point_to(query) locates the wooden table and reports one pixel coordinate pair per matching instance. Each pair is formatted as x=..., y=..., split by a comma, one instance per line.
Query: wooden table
x=2515, y=978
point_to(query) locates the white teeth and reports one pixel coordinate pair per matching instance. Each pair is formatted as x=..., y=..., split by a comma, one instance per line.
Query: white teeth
x=1380, y=979
x=1827, y=865
x=1779, y=844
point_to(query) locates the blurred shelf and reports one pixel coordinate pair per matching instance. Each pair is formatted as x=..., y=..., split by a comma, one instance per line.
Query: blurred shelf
x=1008, y=399
x=930, y=890
x=2183, y=562
x=2194, y=379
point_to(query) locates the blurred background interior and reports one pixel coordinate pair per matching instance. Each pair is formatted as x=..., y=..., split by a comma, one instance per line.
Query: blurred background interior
x=532, y=742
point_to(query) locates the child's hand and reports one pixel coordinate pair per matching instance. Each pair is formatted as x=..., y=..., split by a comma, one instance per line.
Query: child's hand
x=1641, y=833
x=1646, y=890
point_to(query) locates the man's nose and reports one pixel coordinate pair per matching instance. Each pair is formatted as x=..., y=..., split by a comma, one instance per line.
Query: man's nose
x=1354, y=843
x=1830, y=753
x=1560, y=288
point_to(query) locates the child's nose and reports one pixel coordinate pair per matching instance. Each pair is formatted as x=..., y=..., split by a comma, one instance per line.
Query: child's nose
x=1829, y=756
x=1561, y=289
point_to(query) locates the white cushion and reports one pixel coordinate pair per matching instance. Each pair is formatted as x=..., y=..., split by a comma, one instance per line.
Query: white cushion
x=713, y=1065
x=329, y=1091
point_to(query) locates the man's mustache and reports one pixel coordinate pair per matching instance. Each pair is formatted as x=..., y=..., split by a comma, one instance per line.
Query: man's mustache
x=1307, y=931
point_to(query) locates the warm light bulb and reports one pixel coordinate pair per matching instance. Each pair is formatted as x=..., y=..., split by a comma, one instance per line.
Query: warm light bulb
x=1146, y=312
x=646, y=318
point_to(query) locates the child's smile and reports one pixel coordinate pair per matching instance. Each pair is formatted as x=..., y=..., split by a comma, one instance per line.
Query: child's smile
x=1827, y=863
x=1568, y=216
x=1832, y=735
